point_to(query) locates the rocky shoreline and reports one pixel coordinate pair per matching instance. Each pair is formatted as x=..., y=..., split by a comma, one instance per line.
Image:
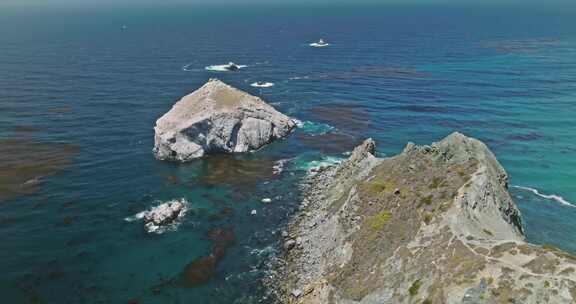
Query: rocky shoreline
x=434, y=224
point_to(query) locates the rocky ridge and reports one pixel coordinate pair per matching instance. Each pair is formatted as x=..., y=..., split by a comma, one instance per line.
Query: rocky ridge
x=434, y=224
x=217, y=118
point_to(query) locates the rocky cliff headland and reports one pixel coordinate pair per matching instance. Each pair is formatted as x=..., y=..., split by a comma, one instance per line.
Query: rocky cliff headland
x=433, y=224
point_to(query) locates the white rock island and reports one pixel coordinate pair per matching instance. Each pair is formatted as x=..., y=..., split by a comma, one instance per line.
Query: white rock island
x=217, y=118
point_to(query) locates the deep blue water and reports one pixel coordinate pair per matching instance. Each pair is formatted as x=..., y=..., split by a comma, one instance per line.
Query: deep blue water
x=99, y=78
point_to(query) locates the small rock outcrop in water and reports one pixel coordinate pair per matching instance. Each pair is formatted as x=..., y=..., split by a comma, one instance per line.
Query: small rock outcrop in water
x=217, y=118
x=162, y=217
x=434, y=224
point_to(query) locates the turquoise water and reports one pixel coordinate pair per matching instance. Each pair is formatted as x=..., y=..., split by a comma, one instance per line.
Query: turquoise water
x=98, y=79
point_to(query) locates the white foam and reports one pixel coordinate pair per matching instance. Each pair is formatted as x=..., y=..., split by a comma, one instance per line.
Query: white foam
x=222, y=67
x=262, y=85
x=553, y=197
x=279, y=166
x=326, y=161
x=263, y=251
x=135, y=217
x=298, y=122
x=313, y=128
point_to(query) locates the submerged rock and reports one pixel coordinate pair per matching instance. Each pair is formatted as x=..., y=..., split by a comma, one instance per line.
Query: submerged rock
x=217, y=118
x=434, y=224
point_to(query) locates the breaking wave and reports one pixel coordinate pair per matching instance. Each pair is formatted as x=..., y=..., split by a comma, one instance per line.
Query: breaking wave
x=553, y=197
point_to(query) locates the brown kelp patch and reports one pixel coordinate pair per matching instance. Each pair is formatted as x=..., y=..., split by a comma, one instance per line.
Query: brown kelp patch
x=233, y=170
x=60, y=109
x=329, y=143
x=203, y=269
x=199, y=271
x=374, y=72
x=24, y=131
x=224, y=213
x=222, y=238
x=172, y=180
x=349, y=117
x=24, y=162
x=516, y=46
x=530, y=136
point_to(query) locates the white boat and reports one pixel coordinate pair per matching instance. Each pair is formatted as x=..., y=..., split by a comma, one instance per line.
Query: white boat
x=259, y=84
x=320, y=43
x=230, y=67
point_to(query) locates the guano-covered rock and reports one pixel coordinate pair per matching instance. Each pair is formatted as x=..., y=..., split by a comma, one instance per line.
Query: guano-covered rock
x=217, y=118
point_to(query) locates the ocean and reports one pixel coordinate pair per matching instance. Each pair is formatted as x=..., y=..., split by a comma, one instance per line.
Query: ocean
x=81, y=89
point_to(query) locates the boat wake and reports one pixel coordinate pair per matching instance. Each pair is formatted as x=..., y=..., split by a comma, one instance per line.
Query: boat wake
x=188, y=67
x=299, y=77
x=553, y=197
